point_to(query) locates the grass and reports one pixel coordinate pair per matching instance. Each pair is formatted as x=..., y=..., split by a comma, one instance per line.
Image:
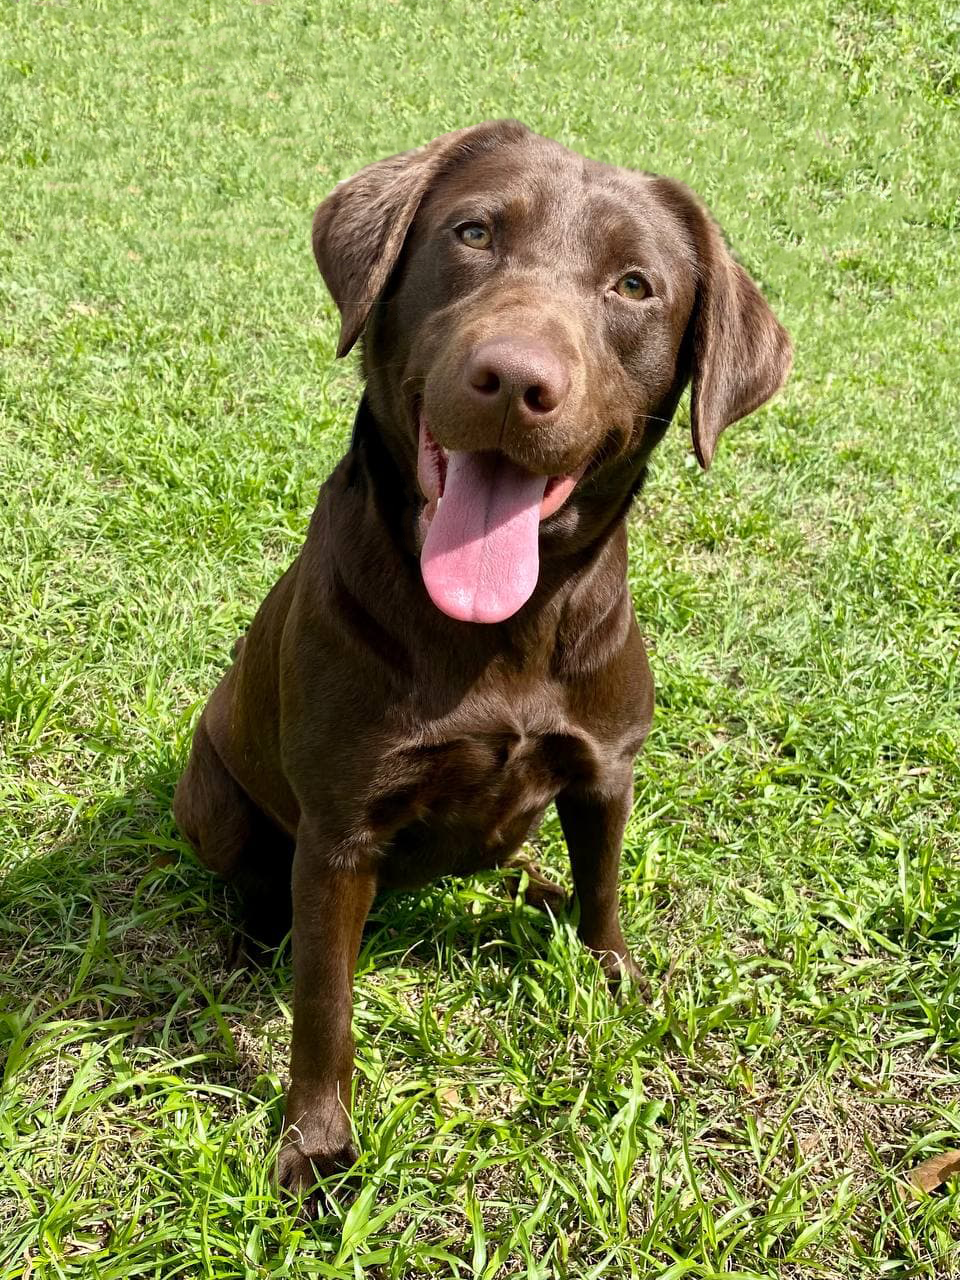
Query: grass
x=168, y=407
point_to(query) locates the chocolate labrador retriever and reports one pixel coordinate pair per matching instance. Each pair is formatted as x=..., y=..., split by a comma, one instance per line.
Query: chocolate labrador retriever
x=455, y=646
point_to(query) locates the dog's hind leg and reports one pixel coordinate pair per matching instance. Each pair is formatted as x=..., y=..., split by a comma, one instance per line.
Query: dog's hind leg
x=235, y=839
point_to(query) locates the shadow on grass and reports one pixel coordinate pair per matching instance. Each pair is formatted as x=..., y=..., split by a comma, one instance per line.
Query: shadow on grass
x=118, y=930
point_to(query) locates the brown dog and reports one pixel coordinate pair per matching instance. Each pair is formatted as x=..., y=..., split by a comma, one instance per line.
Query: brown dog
x=455, y=645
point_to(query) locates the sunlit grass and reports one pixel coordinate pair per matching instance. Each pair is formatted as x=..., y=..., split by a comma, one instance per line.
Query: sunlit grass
x=169, y=405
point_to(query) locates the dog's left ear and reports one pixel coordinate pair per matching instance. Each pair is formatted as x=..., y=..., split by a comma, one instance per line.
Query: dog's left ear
x=741, y=353
x=360, y=229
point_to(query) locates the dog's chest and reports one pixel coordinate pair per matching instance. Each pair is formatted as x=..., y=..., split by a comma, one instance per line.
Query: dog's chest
x=458, y=796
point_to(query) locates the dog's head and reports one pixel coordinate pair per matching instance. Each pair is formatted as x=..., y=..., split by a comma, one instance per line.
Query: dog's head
x=530, y=320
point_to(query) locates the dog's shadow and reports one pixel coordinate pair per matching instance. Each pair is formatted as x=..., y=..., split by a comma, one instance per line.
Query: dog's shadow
x=119, y=929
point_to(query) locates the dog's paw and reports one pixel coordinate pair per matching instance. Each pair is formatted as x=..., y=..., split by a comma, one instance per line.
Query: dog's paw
x=546, y=896
x=623, y=974
x=540, y=892
x=298, y=1173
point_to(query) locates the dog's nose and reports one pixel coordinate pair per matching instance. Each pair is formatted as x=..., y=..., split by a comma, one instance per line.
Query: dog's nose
x=517, y=375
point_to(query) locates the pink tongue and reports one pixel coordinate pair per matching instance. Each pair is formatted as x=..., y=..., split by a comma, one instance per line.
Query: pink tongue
x=480, y=558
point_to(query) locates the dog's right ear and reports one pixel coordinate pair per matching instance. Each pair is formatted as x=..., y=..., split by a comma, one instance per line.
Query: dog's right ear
x=360, y=229
x=741, y=353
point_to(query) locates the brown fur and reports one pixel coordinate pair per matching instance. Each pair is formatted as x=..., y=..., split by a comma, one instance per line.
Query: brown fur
x=362, y=739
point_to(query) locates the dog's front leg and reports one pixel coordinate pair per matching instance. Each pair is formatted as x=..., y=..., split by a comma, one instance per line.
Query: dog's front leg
x=331, y=899
x=593, y=818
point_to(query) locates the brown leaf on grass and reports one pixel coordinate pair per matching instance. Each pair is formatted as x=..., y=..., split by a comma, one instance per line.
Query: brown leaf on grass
x=932, y=1173
x=449, y=1098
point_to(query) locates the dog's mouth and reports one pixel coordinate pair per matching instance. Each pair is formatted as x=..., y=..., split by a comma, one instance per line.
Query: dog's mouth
x=480, y=527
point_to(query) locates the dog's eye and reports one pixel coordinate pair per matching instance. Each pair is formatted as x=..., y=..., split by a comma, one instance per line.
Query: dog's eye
x=632, y=286
x=475, y=234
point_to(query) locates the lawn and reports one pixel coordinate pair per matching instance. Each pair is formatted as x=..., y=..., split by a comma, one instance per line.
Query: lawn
x=169, y=404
